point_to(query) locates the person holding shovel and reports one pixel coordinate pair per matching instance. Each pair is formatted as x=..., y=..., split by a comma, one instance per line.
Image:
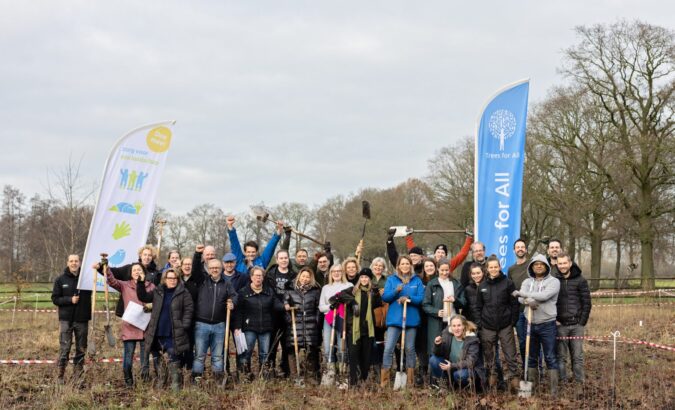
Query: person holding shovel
x=334, y=312
x=540, y=293
x=170, y=322
x=361, y=326
x=457, y=355
x=131, y=334
x=402, y=288
x=74, y=316
x=302, y=295
x=379, y=268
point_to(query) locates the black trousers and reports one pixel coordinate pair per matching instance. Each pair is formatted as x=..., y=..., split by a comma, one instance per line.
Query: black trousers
x=359, y=359
x=280, y=327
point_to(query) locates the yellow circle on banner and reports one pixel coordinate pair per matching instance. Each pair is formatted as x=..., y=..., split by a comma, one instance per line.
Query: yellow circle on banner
x=159, y=139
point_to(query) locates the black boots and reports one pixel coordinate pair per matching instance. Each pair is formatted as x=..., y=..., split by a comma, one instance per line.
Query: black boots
x=61, y=375
x=128, y=377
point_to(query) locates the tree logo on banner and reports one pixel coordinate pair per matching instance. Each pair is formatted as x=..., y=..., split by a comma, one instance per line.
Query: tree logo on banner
x=502, y=126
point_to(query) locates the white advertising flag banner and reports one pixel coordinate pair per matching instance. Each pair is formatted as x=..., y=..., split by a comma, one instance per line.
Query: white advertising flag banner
x=126, y=200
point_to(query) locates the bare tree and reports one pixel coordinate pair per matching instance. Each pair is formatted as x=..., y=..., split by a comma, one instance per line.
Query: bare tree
x=630, y=68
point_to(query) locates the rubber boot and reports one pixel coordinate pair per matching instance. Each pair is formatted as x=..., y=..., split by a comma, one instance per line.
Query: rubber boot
x=533, y=376
x=411, y=375
x=61, y=375
x=162, y=372
x=176, y=374
x=384, y=378
x=128, y=377
x=553, y=382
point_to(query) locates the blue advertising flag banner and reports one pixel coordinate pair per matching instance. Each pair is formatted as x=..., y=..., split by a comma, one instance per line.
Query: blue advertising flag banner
x=500, y=152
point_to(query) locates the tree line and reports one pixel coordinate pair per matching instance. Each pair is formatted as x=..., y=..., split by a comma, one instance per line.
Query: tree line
x=599, y=176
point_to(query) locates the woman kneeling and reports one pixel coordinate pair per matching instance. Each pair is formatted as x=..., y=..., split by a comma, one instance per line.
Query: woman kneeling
x=456, y=354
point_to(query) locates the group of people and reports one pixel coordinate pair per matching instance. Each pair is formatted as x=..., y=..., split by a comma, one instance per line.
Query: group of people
x=441, y=321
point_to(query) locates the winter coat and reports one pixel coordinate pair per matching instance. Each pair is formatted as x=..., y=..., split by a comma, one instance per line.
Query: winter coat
x=238, y=279
x=181, y=313
x=471, y=356
x=465, y=277
x=212, y=299
x=496, y=307
x=279, y=280
x=414, y=290
x=433, y=302
x=127, y=289
x=354, y=308
x=307, y=316
x=256, y=311
x=574, y=299
x=470, y=295
x=543, y=291
x=65, y=287
x=152, y=275
x=263, y=260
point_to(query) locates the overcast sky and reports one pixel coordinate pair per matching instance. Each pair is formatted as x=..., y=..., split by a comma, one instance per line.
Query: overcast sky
x=274, y=100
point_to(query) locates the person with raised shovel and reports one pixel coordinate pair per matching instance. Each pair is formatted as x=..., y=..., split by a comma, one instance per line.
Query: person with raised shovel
x=131, y=334
x=404, y=291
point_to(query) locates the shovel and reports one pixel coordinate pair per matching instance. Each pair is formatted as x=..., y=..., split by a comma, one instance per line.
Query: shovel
x=327, y=379
x=299, y=381
x=365, y=211
x=401, y=231
x=108, y=330
x=401, y=377
x=226, y=350
x=91, y=345
x=343, y=347
x=525, y=388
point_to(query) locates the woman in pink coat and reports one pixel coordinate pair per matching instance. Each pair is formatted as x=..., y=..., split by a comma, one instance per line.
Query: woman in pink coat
x=130, y=333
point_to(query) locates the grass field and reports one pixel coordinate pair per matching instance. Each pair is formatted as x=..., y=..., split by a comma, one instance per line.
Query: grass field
x=644, y=375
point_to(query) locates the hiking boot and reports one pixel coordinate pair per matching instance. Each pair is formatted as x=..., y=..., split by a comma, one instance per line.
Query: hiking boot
x=515, y=385
x=61, y=375
x=128, y=377
x=196, y=378
x=384, y=378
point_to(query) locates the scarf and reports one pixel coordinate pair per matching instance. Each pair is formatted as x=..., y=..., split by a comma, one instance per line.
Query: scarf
x=356, y=325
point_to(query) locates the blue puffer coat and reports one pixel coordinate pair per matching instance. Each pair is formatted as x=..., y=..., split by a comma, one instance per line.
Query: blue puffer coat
x=414, y=290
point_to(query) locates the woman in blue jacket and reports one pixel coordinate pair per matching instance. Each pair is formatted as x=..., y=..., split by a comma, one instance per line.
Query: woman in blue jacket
x=401, y=287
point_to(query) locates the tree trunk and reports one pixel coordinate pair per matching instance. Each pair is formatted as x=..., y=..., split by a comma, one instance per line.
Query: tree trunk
x=617, y=266
x=646, y=253
x=572, y=242
x=596, y=251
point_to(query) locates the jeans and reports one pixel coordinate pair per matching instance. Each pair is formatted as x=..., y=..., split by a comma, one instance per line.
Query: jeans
x=337, y=344
x=129, y=349
x=543, y=334
x=574, y=348
x=521, y=329
x=263, y=340
x=209, y=336
x=66, y=331
x=392, y=337
x=460, y=377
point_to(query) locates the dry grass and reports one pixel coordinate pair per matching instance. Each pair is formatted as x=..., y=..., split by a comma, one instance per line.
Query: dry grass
x=644, y=376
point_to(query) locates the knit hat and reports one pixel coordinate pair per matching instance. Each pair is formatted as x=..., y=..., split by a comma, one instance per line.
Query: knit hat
x=366, y=272
x=416, y=250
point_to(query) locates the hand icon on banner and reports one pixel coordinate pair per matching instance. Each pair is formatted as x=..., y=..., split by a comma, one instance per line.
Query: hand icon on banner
x=122, y=229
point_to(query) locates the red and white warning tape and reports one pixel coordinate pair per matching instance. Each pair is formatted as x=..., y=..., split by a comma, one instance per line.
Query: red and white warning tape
x=39, y=310
x=636, y=304
x=50, y=361
x=629, y=292
x=619, y=339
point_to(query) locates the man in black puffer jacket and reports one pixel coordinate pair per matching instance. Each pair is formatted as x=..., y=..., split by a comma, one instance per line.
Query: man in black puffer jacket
x=74, y=316
x=574, y=308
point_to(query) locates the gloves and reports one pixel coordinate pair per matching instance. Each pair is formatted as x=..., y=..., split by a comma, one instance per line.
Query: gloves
x=288, y=230
x=326, y=246
x=356, y=309
x=333, y=306
x=390, y=234
x=468, y=232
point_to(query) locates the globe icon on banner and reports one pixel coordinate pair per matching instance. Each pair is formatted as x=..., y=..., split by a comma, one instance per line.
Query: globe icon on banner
x=502, y=125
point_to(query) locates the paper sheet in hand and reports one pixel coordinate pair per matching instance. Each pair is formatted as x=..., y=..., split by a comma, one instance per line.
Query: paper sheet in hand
x=240, y=342
x=135, y=316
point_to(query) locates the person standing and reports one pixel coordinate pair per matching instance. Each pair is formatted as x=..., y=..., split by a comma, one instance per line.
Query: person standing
x=478, y=256
x=540, y=293
x=496, y=312
x=170, y=323
x=131, y=334
x=74, y=308
x=518, y=273
x=573, y=310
